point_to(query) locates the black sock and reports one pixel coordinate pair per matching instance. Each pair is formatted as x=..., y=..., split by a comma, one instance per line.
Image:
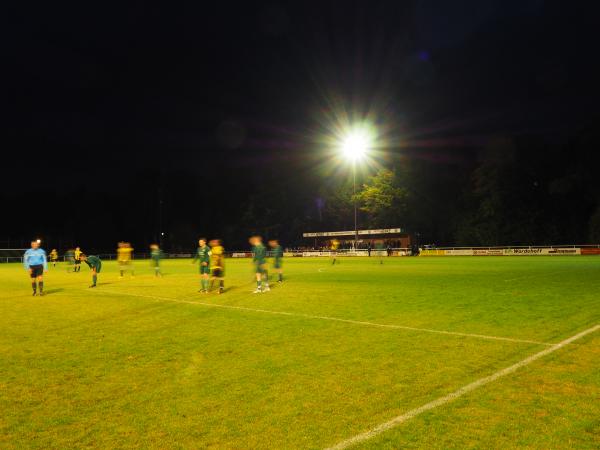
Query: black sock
x=41, y=285
x=33, y=286
x=94, y=279
x=280, y=277
x=121, y=273
x=221, y=284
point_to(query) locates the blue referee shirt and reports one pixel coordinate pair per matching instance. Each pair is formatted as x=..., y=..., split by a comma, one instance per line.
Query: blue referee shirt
x=35, y=257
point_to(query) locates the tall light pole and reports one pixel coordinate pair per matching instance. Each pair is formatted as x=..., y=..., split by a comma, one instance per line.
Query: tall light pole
x=355, y=204
x=354, y=147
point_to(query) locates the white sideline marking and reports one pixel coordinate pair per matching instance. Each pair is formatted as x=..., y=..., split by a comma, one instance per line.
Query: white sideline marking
x=456, y=394
x=533, y=275
x=333, y=319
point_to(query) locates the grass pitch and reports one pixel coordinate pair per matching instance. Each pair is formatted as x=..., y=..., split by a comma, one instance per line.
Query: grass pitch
x=332, y=353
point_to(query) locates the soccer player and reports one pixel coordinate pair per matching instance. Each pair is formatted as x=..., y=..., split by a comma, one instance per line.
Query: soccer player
x=76, y=255
x=260, y=264
x=217, y=264
x=53, y=257
x=95, y=264
x=277, y=253
x=156, y=255
x=124, y=252
x=70, y=258
x=203, y=255
x=334, y=248
x=36, y=264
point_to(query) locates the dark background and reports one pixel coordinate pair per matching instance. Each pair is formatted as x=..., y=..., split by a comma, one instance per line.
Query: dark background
x=487, y=108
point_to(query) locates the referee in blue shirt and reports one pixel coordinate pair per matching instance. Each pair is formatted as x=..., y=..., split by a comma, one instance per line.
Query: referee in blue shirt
x=36, y=264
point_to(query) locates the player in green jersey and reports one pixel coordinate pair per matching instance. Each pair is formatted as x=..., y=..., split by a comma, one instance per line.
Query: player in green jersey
x=95, y=264
x=277, y=254
x=70, y=258
x=203, y=255
x=259, y=260
x=156, y=255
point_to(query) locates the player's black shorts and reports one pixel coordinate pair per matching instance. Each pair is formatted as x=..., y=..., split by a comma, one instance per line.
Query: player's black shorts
x=77, y=262
x=218, y=273
x=36, y=271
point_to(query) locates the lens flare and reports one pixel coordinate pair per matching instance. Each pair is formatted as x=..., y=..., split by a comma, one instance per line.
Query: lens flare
x=356, y=144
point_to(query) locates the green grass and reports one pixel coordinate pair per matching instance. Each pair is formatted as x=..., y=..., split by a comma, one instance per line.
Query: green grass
x=123, y=366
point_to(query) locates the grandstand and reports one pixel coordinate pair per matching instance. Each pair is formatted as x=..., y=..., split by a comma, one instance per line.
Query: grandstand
x=386, y=237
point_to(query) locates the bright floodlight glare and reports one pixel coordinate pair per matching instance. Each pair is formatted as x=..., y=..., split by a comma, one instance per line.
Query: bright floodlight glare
x=355, y=145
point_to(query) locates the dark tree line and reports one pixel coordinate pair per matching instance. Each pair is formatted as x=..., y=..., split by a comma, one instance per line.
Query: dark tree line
x=519, y=191
x=523, y=191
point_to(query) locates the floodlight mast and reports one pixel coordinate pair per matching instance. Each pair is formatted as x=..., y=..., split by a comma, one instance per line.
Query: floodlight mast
x=354, y=147
x=355, y=205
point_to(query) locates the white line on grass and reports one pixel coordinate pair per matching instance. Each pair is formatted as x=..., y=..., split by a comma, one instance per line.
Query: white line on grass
x=533, y=275
x=333, y=319
x=456, y=394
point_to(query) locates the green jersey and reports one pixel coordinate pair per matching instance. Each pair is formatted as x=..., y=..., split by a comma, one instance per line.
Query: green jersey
x=203, y=255
x=260, y=253
x=277, y=252
x=94, y=262
x=156, y=254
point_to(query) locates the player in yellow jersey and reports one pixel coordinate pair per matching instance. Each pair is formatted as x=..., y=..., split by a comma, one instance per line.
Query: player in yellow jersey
x=77, y=261
x=335, y=244
x=53, y=257
x=124, y=258
x=217, y=264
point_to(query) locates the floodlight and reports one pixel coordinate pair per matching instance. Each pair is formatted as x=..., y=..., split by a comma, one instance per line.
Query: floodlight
x=356, y=144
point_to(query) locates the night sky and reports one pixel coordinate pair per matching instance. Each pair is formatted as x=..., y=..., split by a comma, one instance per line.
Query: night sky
x=110, y=110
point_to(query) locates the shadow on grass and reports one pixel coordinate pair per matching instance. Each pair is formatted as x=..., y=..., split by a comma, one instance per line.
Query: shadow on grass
x=53, y=291
x=215, y=291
